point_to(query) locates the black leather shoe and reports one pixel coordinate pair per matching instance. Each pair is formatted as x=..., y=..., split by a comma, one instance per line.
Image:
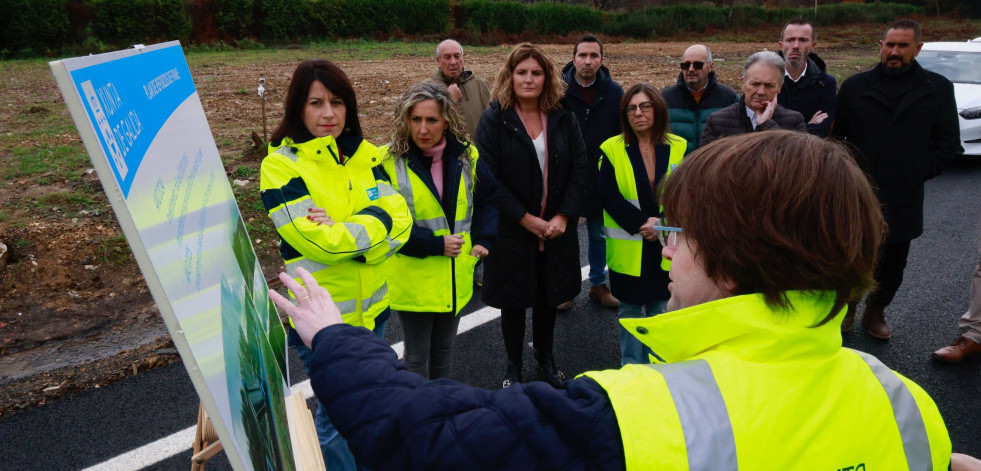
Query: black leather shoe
x=551, y=373
x=512, y=375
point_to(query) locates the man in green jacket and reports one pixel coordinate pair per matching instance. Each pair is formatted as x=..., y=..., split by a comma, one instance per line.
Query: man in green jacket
x=471, y=92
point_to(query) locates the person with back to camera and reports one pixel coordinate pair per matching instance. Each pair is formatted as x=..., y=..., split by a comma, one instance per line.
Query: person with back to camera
x=319, y=168
x=537, y=155
x=631, y=165
x=450, y=192
x=755, y=376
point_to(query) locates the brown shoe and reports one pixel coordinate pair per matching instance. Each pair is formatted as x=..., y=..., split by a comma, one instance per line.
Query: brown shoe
x=602, y=294
x=874, y=321
x=956, y=351
x=564, y=306
x=849, y=320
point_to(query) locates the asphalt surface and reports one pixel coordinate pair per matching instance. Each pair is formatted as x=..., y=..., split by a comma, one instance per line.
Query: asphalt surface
x=89, y=428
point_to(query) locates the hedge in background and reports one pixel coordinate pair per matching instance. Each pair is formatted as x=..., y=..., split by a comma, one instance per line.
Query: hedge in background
x=557, y=18
x=32, y=27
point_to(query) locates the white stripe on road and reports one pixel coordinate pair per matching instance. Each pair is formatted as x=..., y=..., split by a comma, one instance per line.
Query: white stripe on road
x=180, y=442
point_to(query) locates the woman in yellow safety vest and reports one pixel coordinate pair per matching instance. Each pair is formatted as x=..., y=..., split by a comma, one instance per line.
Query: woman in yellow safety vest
x=778, y=231
x=631, y=166
x=450, y=193
x=318, y=159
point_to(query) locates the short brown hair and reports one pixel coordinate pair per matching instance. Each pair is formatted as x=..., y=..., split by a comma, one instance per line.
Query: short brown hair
x=906, y=23
x=799, y=21
x=660, y=125
x=552, y=91
x=779, y=211
x=587, y=38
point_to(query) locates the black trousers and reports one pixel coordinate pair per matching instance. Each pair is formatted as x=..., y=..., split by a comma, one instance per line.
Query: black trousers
x=889, y=273
x=542, y=320
x=429, y=342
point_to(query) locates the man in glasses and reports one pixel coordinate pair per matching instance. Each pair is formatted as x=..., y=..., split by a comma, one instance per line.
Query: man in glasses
x=696, y=95
x=758, y=109
x=594, y=97
x=807, y=88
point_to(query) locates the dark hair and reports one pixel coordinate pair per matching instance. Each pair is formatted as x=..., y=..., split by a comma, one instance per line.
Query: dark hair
x=332, y=77
x=660, y=126
x=587, y=38
x=553, y=89
x=906, y=23
x=799, y=21
x=779, y=211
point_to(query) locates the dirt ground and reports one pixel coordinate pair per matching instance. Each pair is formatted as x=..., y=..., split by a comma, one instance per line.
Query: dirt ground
x=74, y=310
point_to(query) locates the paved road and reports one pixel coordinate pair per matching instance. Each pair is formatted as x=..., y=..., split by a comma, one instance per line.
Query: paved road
x=143, y=413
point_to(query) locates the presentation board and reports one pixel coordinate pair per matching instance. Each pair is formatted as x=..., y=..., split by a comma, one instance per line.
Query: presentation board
x=143, y=126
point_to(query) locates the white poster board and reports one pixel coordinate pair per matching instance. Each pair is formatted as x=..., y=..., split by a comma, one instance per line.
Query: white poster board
x=141, y=120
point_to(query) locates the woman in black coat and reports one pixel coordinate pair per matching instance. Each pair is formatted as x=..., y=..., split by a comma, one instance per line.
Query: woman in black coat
x=536, y=152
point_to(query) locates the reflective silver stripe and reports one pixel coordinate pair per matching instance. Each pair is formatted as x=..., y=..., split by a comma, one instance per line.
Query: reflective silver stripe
x=376, y=297
x=393, y=246
x=709, y=440
x=405, y=186
x=307, y=264
x=288, y=152
x=346, y=307
x=385, y=189
x=286, y=213
x=360, y=235
x=434, y=224
x=468, y=190
x=620, y=234
x=916, y=443
x=635, y=202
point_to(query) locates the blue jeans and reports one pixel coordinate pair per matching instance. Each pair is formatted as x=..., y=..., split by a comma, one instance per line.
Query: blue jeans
x=631, y=349
x=596, y=250
x=337, y=455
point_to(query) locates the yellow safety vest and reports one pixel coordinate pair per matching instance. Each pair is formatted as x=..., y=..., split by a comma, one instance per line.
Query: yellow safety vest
x=623, y=249
x=347, y=257
x=754, y=389
x=436, y=283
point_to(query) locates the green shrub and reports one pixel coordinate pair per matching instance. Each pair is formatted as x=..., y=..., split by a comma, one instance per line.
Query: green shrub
x=328, y=19
x=29, y=27
x=507, y=16
x=122, y=22
x=234, y=18
x=673, y=20
x=558, y=18
x=172, y=21
x=629, y=25
x=283, y=19
x=420, y=16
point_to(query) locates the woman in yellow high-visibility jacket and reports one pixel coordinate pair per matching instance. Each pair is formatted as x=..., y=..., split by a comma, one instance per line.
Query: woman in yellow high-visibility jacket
x=631, y=166
x=318, y=159
x=450, y=193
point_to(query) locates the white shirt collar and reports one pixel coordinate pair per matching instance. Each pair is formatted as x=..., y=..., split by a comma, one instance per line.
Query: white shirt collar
x=751, y=114
x=802, y=74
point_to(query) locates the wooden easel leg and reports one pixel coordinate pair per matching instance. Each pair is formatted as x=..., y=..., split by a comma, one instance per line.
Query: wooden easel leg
x=205, y=443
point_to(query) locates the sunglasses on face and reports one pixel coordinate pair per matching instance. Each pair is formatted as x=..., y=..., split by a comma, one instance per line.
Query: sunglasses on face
x=697, y=65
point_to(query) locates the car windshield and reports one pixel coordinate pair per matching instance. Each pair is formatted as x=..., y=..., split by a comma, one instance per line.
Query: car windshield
x=957, y=66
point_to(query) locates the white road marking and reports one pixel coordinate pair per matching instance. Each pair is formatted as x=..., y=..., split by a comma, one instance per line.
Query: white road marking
x=180, y=442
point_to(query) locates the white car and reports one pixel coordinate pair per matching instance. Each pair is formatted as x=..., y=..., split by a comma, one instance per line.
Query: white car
x=961, y=64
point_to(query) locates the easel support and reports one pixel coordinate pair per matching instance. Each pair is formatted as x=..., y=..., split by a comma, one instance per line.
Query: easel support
x=206, y=442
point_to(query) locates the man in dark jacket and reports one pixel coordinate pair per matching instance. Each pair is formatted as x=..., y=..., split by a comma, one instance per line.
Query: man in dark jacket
x=903, y=120
x=809, y=90
x=758, y=109
x=595, y=100
x=696, y=95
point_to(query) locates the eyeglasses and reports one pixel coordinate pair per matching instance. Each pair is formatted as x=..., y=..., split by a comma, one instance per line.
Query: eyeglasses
x=667, y=235
x=645, y=107
x=696, y=65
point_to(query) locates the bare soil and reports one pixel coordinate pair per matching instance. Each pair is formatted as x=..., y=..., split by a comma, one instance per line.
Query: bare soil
x=75, y=312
